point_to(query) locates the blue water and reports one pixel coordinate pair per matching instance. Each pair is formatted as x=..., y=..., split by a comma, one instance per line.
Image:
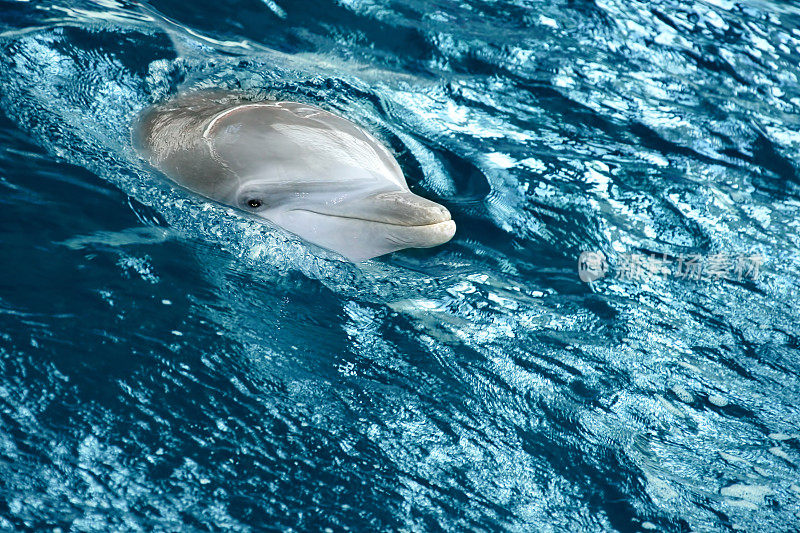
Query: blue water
x=168, y=364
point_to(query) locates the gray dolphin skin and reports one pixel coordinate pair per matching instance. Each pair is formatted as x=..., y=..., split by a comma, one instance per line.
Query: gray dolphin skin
x=300, y=167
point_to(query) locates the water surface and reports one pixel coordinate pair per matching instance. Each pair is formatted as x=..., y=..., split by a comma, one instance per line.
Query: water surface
x=168, y=364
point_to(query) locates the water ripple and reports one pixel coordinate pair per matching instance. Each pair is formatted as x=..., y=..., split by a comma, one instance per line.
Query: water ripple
x=168, y=364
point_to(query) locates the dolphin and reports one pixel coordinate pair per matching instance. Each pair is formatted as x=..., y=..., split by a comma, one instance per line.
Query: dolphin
x=304, y=169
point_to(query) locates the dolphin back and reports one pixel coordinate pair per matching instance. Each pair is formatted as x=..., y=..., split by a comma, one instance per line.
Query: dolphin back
x=171, y=137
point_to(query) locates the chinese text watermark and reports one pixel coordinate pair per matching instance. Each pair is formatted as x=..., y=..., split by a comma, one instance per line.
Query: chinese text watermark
x=641, y=267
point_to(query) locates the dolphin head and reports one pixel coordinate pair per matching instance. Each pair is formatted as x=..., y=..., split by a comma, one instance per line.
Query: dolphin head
x=324, y=179
x=356, y=219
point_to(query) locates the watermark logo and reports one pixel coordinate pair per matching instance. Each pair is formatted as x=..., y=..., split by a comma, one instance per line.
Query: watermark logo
x=640, y=267
x=592, y=266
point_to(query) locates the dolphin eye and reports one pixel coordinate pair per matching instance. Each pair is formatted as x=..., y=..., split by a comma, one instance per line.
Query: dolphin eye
x=254, y=203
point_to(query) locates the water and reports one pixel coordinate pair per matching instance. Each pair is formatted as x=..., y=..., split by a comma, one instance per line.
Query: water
x=167, y=364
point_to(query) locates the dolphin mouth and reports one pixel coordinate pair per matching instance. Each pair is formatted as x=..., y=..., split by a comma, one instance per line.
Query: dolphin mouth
x=401, y=235
x=444, y=219
x=392, y=208
x=367, y=226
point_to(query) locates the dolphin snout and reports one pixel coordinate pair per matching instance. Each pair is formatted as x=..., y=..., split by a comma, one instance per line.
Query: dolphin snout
x=416, y=222
x=403, y=208
x=368, y=226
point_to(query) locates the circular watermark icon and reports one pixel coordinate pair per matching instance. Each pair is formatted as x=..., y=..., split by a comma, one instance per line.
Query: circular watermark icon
x=592, y=266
